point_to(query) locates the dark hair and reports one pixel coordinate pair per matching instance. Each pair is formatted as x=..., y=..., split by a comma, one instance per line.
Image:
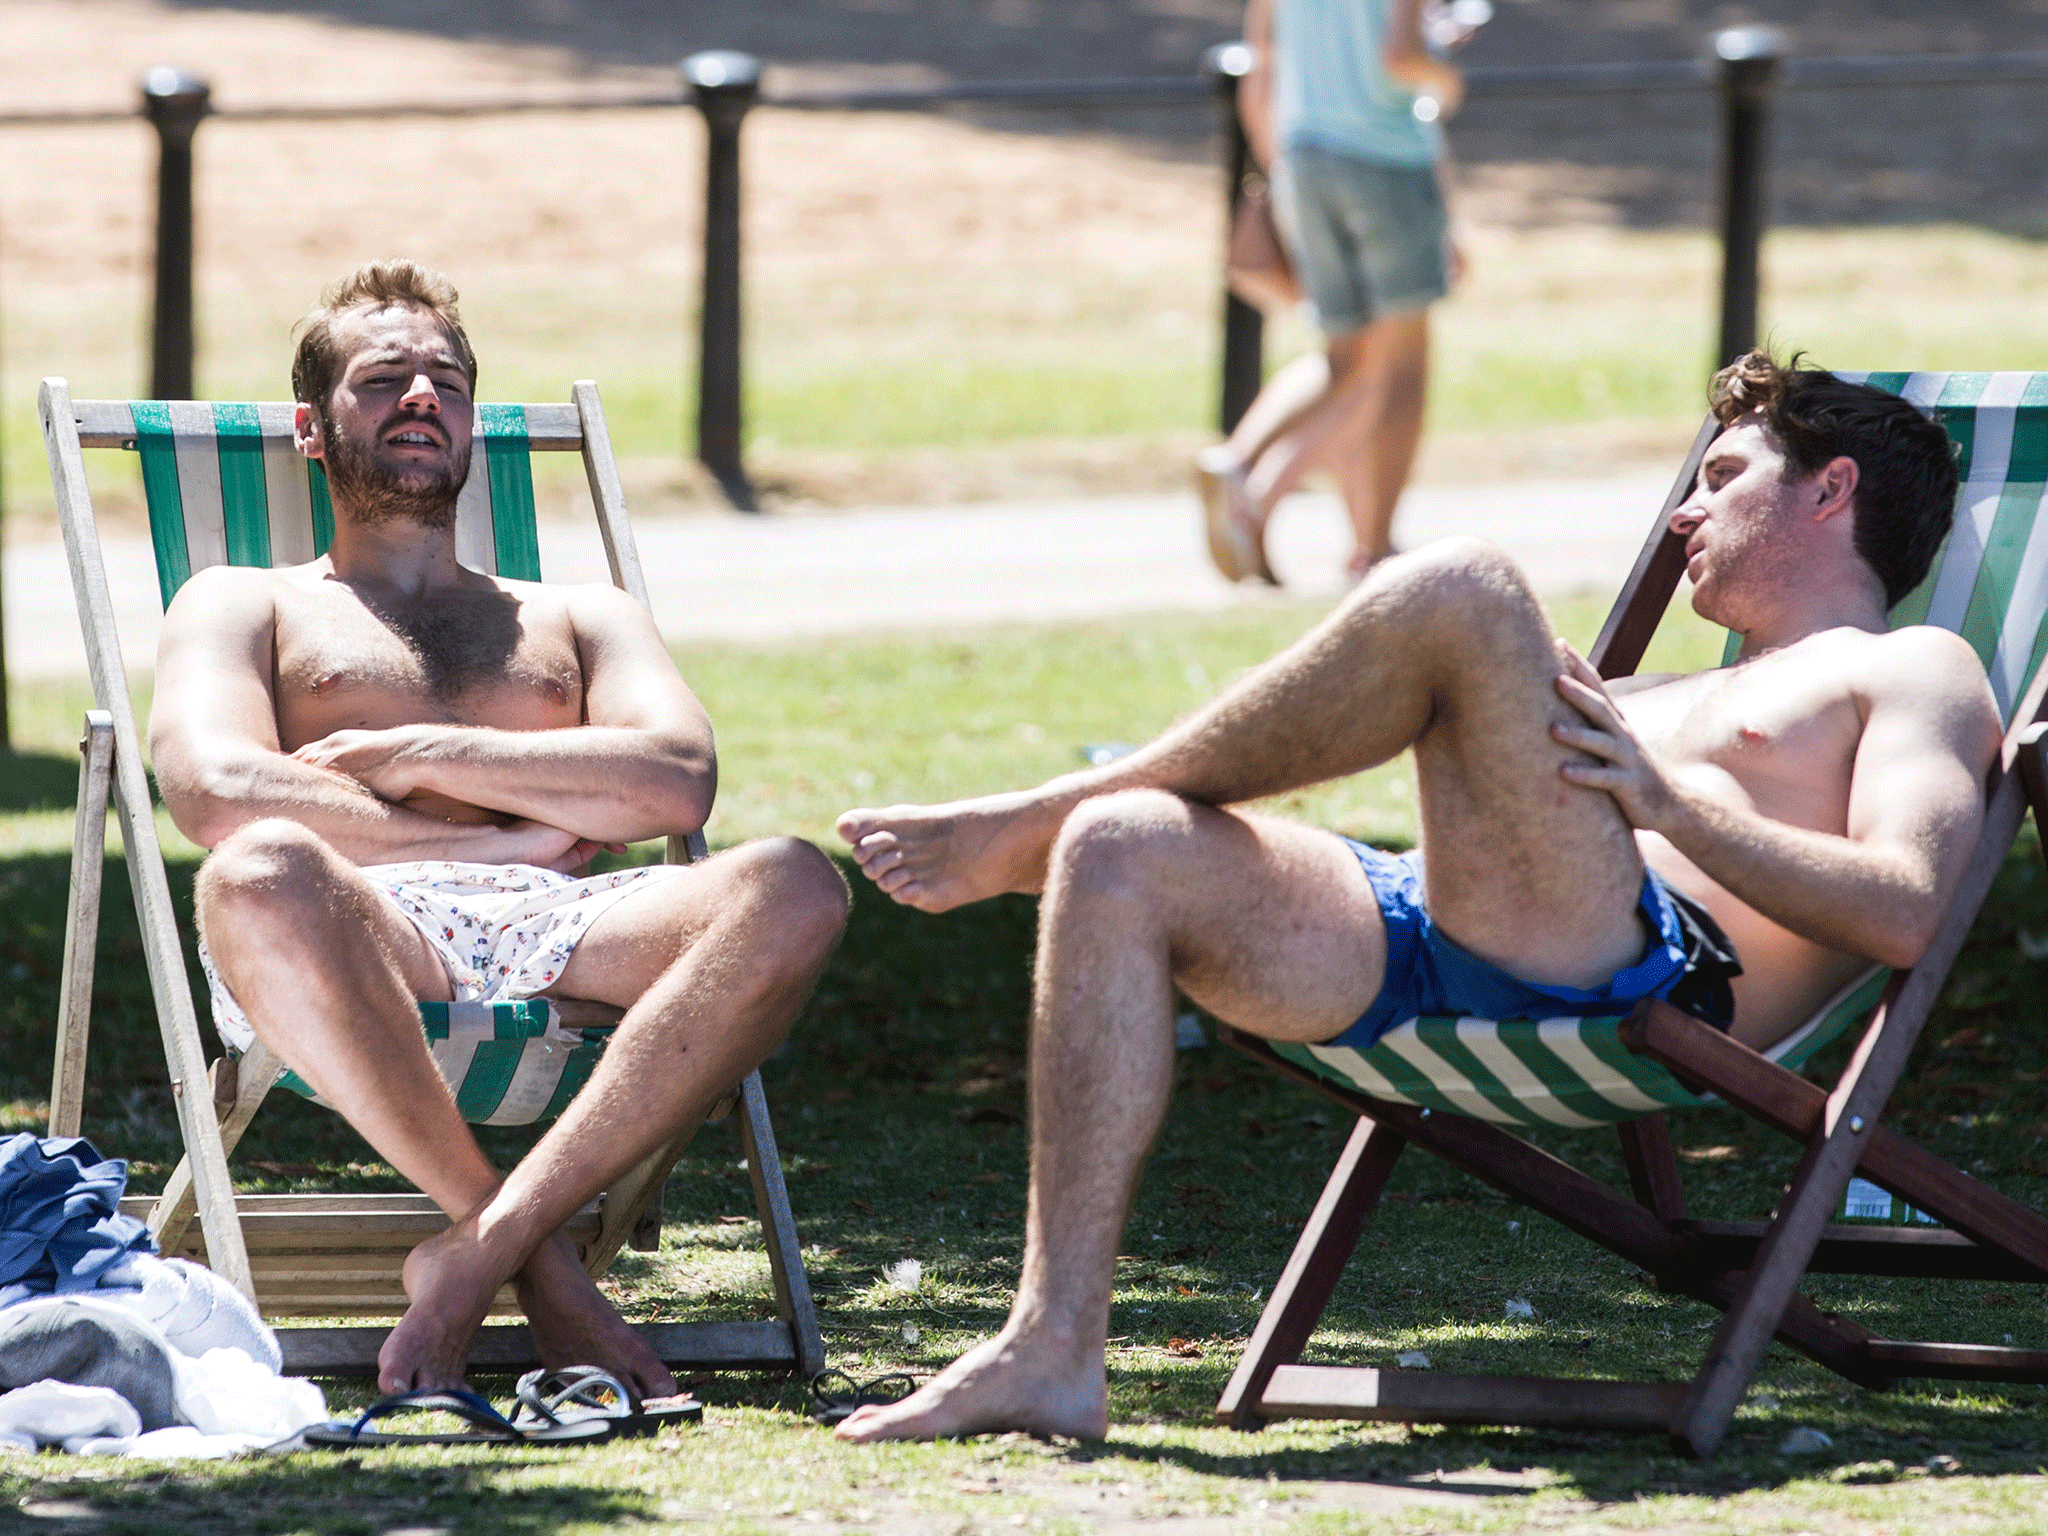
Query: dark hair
x=317, y=364
x=1906, y=496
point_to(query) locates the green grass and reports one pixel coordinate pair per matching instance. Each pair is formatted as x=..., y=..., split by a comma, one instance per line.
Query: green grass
x=1553, y=328
x=899, y=1104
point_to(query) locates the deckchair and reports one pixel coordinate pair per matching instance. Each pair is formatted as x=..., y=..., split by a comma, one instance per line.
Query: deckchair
x=224, y=484
x=1460, y=1087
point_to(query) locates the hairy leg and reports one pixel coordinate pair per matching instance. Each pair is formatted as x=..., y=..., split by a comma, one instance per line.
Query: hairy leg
x=329, y=972
x=1273, y=926
x=713, y=964
x=1446, y=650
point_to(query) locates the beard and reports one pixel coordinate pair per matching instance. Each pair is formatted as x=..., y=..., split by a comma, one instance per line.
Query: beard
x=377, y=494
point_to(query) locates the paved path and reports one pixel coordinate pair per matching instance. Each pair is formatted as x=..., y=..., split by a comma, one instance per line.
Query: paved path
x=787, y=576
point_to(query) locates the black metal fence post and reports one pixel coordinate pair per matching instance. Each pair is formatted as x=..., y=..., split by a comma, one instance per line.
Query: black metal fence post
x=174, y=102
x=723, y=85
x=1244, y=328
x=1747, y=61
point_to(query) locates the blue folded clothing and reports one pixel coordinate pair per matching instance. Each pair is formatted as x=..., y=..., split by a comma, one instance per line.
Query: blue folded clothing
x=61, y=1227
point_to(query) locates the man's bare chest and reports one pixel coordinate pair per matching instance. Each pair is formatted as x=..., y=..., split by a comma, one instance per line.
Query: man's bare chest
x=471, y=659
x=1780, y=738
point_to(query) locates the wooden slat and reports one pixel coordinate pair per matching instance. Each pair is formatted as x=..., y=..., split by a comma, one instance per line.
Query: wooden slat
x=778, y=1227
x=1313, y=1269
x=1411, y=1397
x=1652, y=1167
x=763, y=1346
x=82, y=922
x=149, y=886
x=1789, y=1103
x=550, y=428
x=1961, y=1362
x=1930, y=1253
x=1639, y=609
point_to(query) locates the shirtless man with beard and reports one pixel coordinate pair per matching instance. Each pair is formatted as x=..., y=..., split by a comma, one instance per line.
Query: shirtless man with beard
x=1583, y=845
x=384, y=734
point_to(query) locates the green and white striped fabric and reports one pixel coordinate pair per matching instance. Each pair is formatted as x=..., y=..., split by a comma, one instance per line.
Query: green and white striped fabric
x=508, y=1063
x=226, y=487
x=1989, y=583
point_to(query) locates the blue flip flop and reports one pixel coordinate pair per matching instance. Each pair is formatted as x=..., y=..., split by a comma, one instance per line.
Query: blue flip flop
x=491, y=1426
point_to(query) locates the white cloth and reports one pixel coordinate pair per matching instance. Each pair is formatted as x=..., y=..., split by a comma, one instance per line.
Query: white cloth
x=58, y=1413
x=193, y=1308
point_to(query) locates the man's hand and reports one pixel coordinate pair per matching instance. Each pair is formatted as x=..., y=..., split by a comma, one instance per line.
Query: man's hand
x=374, y=759
x=546, y=847
x=1624, y=767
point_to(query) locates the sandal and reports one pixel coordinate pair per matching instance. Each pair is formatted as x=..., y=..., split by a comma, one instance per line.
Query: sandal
x=1237, y=540
x=582, y=1394
x=838, y=1394
x=491, y=1426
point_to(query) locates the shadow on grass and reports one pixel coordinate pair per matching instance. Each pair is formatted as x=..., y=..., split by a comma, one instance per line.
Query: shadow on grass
x=37, y=781
x=336, y=1493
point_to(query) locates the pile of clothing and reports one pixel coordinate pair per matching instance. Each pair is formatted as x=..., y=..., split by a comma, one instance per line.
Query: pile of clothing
x=107, y=1349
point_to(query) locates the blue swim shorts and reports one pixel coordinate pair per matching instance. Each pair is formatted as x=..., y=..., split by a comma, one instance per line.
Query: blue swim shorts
x=1367, y=240
x=1689, y=963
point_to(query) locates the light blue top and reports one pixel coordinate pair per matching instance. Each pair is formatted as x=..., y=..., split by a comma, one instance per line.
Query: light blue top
x=1330, y=87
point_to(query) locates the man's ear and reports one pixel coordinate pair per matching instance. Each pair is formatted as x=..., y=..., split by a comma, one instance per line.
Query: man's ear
x=306, y=434
x=1834, y=488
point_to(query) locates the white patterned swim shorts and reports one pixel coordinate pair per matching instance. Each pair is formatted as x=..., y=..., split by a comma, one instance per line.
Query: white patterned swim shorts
x=504, y=931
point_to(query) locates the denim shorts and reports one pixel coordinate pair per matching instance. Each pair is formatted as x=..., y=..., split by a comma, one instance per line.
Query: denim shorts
x=1689, y=962
x=1367, y=240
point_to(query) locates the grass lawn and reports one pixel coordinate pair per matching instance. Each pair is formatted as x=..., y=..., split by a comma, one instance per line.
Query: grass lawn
x=900, y=1105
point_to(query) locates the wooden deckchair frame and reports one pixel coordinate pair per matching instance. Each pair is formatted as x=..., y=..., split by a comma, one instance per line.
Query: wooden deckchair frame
x=1749, y=1270
x=329, y=1254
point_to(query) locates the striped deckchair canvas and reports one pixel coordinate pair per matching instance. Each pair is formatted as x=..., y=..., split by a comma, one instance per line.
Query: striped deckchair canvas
x=226, y=486
x=1989, y=583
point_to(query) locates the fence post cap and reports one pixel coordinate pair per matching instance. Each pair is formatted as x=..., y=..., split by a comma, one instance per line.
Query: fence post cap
x=722, y=69
x=1743, y=45
x=1229, y=61
x=165, y=84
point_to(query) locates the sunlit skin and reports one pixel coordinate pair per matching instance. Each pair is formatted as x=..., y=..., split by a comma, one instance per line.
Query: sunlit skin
x=1820, y=798
x=385, y=704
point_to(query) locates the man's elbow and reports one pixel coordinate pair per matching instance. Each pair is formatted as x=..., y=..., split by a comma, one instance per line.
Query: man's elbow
x=1902, y=941
x=208, y=805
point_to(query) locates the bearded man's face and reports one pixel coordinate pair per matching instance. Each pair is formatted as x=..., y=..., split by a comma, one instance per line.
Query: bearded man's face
x=395, y=431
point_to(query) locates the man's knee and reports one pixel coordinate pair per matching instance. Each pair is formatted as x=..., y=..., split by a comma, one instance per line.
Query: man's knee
x=800, y=890
x=264, y=869
x=1131, y=843
x=1462, y=591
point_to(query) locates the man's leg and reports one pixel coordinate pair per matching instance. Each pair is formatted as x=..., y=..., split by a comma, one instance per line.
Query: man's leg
x=286, y=921
x=1272, y=926
x=713, y=964
x=1446, y=650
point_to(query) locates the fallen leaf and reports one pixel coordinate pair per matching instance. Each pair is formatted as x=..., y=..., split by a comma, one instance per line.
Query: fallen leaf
x=1184, y=1349
x=862, y=1206
x=990, y=1114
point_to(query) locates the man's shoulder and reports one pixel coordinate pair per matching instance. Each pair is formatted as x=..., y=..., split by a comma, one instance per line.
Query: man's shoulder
x=225, y=592
x=1918, y=655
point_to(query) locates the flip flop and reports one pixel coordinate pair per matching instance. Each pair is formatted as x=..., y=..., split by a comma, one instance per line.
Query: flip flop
x=583, y=1394
x=838, y=1394
x=492, y=1427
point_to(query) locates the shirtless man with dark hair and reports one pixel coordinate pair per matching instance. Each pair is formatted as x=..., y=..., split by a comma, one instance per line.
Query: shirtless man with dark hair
x=1815, y=803
x=384, y=733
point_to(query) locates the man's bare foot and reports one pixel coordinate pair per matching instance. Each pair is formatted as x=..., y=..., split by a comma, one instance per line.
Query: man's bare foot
x=573, y=1324
x=1010, y=1382
x=450, y=1279
x=938, y=857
